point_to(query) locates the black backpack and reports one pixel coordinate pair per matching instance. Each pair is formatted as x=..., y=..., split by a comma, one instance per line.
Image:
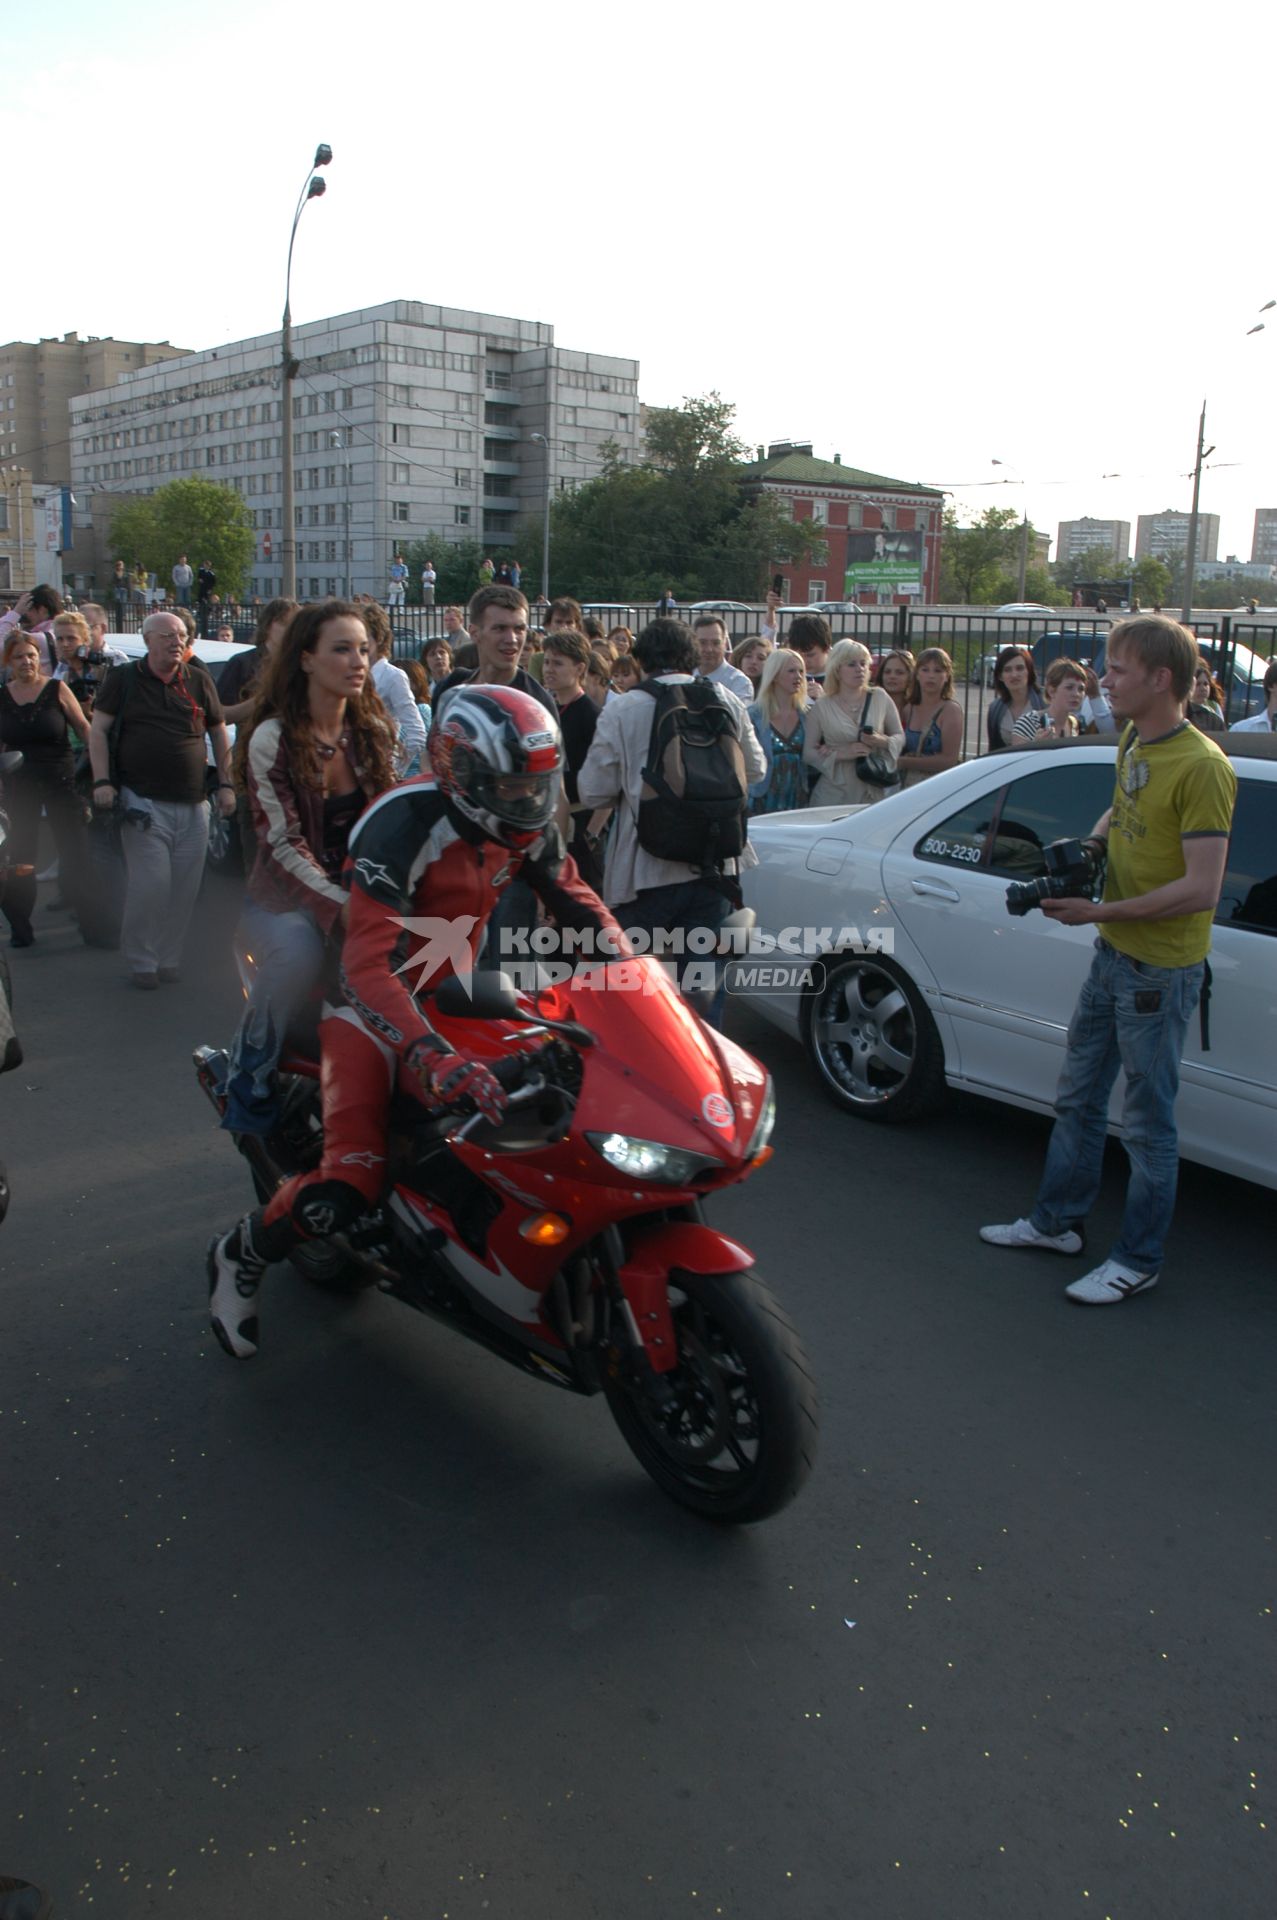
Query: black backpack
x=693, y=803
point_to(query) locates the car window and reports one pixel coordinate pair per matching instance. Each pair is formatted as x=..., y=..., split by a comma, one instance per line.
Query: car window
x=1006, y=830
x=960, y=840
x=1249, y=894
x=1060, y=802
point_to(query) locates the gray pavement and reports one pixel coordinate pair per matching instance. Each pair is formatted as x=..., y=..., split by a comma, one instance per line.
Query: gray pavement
x=374, y=1626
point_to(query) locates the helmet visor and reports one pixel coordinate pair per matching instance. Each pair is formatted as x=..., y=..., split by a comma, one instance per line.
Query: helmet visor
x=519, y=799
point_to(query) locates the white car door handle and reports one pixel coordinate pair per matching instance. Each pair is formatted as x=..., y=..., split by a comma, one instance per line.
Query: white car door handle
x=936, y=890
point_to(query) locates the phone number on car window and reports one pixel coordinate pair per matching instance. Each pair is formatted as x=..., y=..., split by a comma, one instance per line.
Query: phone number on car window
x=952, y=850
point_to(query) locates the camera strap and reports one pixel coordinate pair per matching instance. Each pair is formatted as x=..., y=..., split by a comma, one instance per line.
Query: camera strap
x=127, y=674
x=1203, y=1007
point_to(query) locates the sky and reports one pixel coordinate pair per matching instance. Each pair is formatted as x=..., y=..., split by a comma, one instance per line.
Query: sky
x=924, y=239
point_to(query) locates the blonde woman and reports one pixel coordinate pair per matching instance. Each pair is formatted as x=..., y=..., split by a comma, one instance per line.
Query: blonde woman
x=932, y=719
x=778, y=719
x=852, y=720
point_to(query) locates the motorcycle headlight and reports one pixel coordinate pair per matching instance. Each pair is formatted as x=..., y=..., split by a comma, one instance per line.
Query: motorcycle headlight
x=763, y=1125
x=651, y=1159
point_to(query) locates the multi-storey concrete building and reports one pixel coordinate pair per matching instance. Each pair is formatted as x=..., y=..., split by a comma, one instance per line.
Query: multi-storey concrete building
x=408, y=420
x=38, y=381
x=1088, y=535
x=1263, y=544
x=18, y=532
x=1164, y=536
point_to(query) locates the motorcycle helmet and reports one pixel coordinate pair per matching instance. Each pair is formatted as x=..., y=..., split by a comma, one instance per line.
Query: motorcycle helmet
x=497, y=755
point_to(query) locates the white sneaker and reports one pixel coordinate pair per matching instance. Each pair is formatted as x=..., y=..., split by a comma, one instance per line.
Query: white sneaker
x=234, y=1275
x=1108, y=1284
x=1022, y=1233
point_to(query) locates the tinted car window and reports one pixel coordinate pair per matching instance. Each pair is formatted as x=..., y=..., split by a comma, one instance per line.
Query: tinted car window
x=1249, y=895
x=1059, y=802
x=960, y=841
x=1005, y=831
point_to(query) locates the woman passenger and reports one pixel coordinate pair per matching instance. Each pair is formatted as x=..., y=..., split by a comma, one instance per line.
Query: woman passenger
x=318, y=747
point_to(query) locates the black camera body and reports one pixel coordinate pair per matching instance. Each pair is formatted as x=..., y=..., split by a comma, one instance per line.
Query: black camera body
x=1074, y=871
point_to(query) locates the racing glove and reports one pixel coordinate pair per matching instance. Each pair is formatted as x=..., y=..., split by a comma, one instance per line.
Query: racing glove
x=448, y=1078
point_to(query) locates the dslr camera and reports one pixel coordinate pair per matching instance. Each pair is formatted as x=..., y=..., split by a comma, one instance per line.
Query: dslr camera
x=1074, y=871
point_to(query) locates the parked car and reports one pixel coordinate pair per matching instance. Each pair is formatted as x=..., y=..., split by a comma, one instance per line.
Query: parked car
x=1024, y=607
x=612, y=614
x=721, y=606
x=823, y=606
x=957, y=992
x=1245, y=672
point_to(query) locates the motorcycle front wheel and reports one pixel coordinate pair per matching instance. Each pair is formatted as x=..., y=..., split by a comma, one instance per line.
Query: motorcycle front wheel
x=736, y=1436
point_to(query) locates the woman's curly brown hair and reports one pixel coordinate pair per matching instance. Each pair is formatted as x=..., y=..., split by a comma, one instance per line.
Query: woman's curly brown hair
x=283, y=694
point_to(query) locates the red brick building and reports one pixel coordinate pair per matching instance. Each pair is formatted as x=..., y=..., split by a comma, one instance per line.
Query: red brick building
x=882, y=538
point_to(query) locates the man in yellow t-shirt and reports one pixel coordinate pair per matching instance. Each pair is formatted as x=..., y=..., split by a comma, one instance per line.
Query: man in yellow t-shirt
x=1167, y=834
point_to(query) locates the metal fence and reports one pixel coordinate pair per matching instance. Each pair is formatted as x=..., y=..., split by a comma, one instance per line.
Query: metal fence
x=1238, y=646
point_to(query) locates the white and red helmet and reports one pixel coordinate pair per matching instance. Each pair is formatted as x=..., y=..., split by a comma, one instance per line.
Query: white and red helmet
x=497, y=755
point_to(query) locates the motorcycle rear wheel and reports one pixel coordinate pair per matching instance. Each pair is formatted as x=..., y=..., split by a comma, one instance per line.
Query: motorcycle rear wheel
x=739, y=1438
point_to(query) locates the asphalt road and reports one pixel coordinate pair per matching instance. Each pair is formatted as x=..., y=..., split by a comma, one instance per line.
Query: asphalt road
x=371, y=1625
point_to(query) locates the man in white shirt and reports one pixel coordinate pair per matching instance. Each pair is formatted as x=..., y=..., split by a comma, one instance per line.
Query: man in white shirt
x=395, y=690
x=709, y=631
x=659, y=896
x=428, y=579
x=183, y=580
x=1265, y=722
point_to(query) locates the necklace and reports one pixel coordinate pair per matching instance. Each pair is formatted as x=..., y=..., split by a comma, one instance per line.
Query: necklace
x=327, y=748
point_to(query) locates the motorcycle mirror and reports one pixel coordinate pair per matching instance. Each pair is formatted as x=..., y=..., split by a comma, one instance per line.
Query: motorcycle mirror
x=478, y=996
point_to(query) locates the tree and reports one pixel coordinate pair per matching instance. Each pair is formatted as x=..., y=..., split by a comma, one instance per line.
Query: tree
x=1093, y=563
x=681, y=519
x=695, y=438
x=456, y=562
x=195, y=517
x=973, y=559
x=1151, y=581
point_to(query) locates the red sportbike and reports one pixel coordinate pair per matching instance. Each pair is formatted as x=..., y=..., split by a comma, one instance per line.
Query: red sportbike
x=571, y=1238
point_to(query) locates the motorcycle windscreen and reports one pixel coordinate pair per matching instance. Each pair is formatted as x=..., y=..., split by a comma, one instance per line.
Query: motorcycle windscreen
x=658, y=1073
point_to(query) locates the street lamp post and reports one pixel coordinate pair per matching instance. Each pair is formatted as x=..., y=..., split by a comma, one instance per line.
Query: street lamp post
x=1190, y=559
x=545, y=528
x=312, y=187
x=1024, y=536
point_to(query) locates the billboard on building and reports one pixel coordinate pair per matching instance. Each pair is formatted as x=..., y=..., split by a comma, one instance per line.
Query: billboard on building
x=891, y=562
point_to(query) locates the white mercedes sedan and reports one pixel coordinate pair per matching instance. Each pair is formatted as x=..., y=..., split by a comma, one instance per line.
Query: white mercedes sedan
x=915, y=975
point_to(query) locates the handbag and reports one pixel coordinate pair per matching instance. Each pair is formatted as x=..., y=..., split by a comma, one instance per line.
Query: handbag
x=874, y=769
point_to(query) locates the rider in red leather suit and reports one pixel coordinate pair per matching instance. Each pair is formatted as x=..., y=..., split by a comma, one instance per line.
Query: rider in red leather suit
x=427, y=863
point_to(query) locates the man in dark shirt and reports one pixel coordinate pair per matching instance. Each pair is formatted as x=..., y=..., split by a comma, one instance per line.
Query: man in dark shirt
x=564, y=664
x=205, y=580
x=147, y=749
x=499, y=627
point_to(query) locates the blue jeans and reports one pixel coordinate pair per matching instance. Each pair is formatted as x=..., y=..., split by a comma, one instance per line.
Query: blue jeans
x=1132, y=1016
x=686, y=907
x=288, y=951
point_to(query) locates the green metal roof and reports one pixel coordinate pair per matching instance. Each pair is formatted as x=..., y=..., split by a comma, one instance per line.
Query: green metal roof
x=802, y=469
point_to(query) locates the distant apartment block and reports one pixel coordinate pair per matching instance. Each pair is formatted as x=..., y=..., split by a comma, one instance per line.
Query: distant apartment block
x=1164, y=536
x=408, y=420
x=38, y=381
x=1263, y=544
x=1089, y=535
